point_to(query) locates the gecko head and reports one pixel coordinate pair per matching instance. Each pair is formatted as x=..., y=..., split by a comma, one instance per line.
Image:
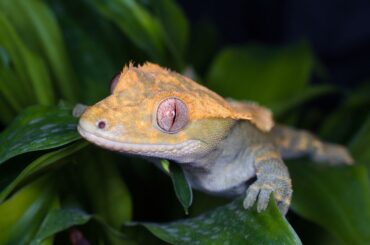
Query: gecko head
x=157, y=113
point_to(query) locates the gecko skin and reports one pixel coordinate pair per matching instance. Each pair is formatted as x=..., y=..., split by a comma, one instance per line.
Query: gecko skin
x=222, y=145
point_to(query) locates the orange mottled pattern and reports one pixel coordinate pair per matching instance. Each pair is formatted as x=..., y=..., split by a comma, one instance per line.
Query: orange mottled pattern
x=130, y=111
x=149, y=84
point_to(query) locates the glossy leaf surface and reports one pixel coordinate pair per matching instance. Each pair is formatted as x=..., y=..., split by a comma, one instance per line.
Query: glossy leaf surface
x=38, y=128
x=230, y=224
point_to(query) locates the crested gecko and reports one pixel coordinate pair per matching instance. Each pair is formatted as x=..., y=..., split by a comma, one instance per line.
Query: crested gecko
x=225, y=147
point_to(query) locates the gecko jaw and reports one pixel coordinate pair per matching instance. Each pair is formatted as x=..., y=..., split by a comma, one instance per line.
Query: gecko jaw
x=170, y=152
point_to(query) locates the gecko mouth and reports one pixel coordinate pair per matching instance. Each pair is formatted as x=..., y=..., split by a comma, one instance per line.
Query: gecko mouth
x=154, y=150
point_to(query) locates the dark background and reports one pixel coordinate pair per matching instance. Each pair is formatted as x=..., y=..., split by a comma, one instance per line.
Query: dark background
x=338, y=31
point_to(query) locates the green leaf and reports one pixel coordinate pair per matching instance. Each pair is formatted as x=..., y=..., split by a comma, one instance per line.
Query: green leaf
x=350, y=113
x=89, y=46
x=7, y=114
x=34, y=80
x=14, y=50
x=22, y=214
x=297, y=99
x=181, y=186
x=204, y=44
x=101, y=186
x=59, y=220
x=138, y=24
x=230, y=224
x=263, y=74
x=37, y=25
x=41, y=164
x=38, y=128
x=360, y=145
x=10, y=92
x=175, y=27
x=337, y=198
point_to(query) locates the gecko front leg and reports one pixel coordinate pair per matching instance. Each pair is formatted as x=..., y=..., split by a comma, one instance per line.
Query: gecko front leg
x=272, y=178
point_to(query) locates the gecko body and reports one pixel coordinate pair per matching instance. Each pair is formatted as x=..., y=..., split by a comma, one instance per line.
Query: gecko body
x=225, y=147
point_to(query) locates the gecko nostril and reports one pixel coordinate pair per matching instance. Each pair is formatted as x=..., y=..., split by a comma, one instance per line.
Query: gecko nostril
x=101, y=124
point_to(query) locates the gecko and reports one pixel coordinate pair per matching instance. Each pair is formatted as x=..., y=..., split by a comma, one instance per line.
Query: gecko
x=225, y=147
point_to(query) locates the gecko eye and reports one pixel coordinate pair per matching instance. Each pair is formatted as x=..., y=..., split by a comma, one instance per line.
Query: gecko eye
x=114, y=81
x=172, y=115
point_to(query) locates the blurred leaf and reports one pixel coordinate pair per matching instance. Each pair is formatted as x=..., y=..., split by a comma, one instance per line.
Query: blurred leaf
x=36, y=24
x=29, y=67
x=360, y=145
x=342, y=123
x=102, y=186
x=204, y=42
x=230, y=224
x=22, y=214
x=7, y=114
x=38, y=128
x=13, y=51
x=59, y=220
x=175, y=27
x=12, y=95
x=263, y=74
x=41, y=164
x=338, y=198
x=90, y=40
x=299, y=98
x=94, y=82
x=182, y=188
x=137, y=23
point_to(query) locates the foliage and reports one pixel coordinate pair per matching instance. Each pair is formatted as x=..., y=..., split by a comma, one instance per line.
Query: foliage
x=52, y=182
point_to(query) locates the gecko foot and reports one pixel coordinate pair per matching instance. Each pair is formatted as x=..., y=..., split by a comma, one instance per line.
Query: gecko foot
x=259, y=192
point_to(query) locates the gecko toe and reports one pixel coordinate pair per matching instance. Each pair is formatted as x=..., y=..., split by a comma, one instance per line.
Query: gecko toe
x=263, y=199
x=251, y=197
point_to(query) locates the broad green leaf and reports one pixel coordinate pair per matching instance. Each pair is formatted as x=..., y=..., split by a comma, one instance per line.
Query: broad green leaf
x=36, y=24
x=38, y=128
x=230, y=224
x=181, y=186
x=360, y=145
x=24, y=212
x=337, y=198
x=263, y=74
x=137, y=23
x=41, y=164
x=59, y=220
x=31, y=70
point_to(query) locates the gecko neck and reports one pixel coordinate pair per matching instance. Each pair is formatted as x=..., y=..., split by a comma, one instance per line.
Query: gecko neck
x=229, y=164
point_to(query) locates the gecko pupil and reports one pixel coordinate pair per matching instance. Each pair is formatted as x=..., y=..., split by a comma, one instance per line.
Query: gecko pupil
x=172, y=115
